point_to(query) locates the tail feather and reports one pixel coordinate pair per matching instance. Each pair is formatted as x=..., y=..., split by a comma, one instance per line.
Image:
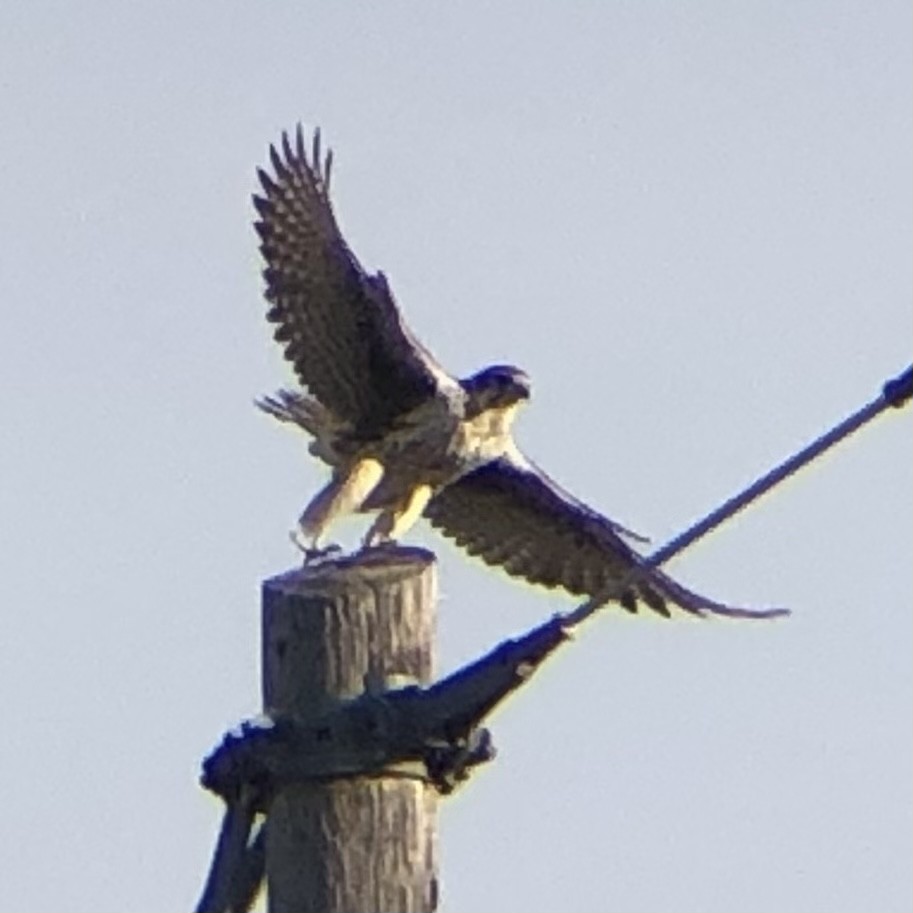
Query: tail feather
x=295, y=408
x=307, y=413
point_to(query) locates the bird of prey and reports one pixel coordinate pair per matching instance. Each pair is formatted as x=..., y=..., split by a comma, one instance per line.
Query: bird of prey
x=405, y=439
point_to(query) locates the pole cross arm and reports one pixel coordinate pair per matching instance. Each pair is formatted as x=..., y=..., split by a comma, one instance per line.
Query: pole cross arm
x=428, y=733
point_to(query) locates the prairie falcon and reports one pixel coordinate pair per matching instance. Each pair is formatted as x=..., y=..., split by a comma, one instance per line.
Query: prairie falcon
x=402, y=437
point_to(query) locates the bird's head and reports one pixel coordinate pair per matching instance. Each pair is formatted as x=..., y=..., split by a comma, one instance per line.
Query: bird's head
x=496, y=387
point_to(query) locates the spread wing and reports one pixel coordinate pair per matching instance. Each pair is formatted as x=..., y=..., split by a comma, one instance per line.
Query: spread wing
x=339, y=326
x=511, y=514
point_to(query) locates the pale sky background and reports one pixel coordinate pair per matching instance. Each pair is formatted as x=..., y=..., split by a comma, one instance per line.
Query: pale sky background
x=690, y=223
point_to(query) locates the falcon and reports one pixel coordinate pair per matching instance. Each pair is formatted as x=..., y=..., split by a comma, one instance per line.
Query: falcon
x=402, y=437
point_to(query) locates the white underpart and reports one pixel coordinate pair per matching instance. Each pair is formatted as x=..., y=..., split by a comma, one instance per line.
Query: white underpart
x=487, y=436
x=478, y=440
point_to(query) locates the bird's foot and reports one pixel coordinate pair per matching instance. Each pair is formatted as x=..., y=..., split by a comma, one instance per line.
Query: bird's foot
x=378, y=550
x=379, y=545
x=313, y=554
x=319, y=555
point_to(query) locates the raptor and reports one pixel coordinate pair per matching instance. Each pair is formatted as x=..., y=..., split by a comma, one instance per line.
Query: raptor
x=405, y=439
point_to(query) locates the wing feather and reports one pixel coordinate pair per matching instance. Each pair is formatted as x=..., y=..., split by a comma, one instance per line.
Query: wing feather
x=339, y=326
x=555, y=540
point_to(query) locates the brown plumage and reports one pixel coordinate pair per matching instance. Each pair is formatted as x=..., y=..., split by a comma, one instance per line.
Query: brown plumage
x=401, y=434
x=338, y=325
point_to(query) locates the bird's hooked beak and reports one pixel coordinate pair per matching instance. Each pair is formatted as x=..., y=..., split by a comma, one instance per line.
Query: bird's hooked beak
x=497, y=387
x=518, y=387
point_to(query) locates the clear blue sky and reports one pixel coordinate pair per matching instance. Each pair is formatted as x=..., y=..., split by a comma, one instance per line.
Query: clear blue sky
x=690, y=223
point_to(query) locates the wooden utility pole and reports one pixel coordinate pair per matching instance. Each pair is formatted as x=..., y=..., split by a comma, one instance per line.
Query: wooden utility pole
x=355, y=839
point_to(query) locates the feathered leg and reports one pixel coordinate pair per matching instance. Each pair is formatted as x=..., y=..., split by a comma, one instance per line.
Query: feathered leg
x=343, y=495
x=396, y=522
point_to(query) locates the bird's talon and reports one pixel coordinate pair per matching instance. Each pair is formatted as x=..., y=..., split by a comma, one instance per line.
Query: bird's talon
x=380, y=545
x=317, y=555
x=310, y=552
